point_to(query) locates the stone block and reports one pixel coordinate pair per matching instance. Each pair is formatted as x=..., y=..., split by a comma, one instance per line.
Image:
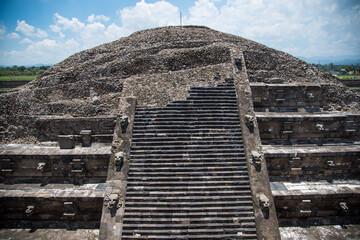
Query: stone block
x=274, y=80
x=77, y=166
x=86, y=138
x=7, y=165
x=119, y=159
x=66, y=141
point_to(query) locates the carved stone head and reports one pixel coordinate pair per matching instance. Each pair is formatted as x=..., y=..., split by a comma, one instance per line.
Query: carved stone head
x=256, y=158
x=124, y=123
x=113, y=200
x=309, y=96
x=119, y=158
x=320, y=127
x=264, y=202
x=343, y=206
x=30, y=210
x=250, y=121
x=41, y=166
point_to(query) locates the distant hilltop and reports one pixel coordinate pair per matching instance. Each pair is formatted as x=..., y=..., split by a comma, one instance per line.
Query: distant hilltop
x=336, y=60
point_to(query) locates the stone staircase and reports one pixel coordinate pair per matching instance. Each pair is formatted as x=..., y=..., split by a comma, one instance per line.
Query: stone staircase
x=188, y=177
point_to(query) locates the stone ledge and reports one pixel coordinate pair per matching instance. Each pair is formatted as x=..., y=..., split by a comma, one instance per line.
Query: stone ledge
x=311, y=149
x=28, y=149
x=276, y=85
x=52, y=191
x=305, y=189
x=300, y=115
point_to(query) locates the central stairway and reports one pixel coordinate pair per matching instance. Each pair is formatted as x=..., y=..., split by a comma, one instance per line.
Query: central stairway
x=188, y=177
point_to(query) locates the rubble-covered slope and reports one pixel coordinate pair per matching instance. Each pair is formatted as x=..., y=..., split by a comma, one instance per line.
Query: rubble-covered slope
x=156, y=66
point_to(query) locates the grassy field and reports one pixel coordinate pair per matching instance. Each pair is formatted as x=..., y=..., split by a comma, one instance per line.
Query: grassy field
x=348, y=77
x=5, y=89
x=17, y=78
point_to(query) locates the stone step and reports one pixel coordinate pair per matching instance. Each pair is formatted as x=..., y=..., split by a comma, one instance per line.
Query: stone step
x=222, y=159
x=185, y=130
x=186, y=122
x=151, y=149
x=203, y=104
x=214, y=95
x=187, y=126
x=187, y=204
x=188, y=155
x=183, y=182
x=189, y=169
x=242, y=188
x=202, y=100
x=183, y=209
x=191, y=190
x=217, y=88
x=188, y=117
x=211, y=236
x=187, y=178
x=231, y=196
x=186, y=112
x=193, y=109
x=200, y=173
x=245, y=221
x=182, y=226
x=189, y=152
x=190, y=231
x=187, y=134
x=188, y=141
x=186, y=164
x=192, y=214
x=170, y=115
x=193, y=128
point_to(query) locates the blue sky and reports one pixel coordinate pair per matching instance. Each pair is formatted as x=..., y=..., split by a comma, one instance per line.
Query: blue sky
x=48, y=31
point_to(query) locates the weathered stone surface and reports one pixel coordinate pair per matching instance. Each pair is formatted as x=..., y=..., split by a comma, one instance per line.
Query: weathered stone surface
x=151, y=72
x=339, y=232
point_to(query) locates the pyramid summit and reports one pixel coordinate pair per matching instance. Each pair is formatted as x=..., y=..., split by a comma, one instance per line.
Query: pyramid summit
x=180, y=132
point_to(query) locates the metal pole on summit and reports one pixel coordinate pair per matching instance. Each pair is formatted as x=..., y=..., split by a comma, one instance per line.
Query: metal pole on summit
x=180, y=19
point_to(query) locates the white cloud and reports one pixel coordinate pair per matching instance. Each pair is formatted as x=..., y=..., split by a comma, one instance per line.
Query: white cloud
x=13, y=35
x=93, y=18
x=26, y=40
x=203, y=11
x=2, y=31
x=45, y=51
x=24, y=28
x=114, y=32
x=88, y=34
x=303, y=26
x=29, y=30
x=62, y=23
x=40, y=33
x=61, y=35
x=148, y=15
x=93, y=34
